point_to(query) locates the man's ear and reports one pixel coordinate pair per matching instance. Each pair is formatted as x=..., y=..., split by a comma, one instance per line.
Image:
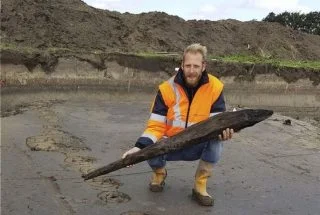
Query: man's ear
x=204, y=65
x=181, y=64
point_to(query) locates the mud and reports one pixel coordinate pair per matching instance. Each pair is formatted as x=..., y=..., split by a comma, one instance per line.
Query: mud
x=65, y=111
x=12, y=107
x=54, y=139
x=63, y=202
x=269, y=168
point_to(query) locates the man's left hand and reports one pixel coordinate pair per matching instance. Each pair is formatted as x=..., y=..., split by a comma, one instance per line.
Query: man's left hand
x=226, y=134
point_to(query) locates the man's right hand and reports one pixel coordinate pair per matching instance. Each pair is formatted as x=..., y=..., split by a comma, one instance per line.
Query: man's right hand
x=131, y=151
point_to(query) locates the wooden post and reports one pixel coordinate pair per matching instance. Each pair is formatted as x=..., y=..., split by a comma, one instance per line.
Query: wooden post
x=195, y=134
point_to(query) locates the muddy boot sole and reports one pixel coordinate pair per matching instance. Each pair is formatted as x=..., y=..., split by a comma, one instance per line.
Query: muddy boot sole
x=156, y=187
x=202, y=200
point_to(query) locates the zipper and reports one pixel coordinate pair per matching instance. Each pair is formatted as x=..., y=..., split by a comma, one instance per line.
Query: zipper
x=190, y=101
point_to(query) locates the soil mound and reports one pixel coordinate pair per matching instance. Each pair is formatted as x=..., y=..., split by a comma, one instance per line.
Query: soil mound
x=72, y=24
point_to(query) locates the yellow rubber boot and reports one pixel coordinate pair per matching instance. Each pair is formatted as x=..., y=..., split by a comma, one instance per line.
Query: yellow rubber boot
x=199, y=192
x=157, y=181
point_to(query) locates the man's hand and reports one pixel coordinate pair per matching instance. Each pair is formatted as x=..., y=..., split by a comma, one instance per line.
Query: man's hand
x=226, y=134
x=130, y=151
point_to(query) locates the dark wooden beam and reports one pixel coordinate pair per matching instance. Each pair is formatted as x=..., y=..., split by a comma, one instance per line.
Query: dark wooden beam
x=195, y=134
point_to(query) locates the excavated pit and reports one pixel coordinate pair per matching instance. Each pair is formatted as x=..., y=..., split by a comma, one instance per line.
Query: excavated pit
x=76, y=100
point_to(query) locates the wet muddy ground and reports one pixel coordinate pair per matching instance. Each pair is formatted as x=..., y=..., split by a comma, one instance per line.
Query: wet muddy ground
x=48, y=143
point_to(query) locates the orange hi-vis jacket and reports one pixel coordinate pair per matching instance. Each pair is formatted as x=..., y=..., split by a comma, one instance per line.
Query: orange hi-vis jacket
x=182, y=107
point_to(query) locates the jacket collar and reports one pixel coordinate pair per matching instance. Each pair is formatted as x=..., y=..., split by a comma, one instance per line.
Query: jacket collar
x=179, y=79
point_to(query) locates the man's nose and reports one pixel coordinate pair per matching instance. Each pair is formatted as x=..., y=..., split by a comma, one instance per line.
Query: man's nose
x=193, y=68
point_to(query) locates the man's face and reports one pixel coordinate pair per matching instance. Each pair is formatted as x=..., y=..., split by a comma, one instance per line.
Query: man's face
x=193, y=66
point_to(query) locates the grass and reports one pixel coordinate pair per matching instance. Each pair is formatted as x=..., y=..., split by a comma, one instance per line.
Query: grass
x=233, y=58
x=277, y=62
x=250, y=59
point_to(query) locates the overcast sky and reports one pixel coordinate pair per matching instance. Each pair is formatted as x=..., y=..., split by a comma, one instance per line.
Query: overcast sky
x=243, y=10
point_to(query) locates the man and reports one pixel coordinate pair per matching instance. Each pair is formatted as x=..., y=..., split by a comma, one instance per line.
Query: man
x=191, y=96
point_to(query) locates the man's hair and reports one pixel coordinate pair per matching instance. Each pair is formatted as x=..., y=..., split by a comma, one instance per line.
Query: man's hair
x=196, y=48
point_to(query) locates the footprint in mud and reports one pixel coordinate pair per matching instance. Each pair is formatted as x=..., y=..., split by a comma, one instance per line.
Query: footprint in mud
x=85, y=165
x=41, y=143
x=113, y=197
x=55, y=140
x=104, y=183
x=80, y=162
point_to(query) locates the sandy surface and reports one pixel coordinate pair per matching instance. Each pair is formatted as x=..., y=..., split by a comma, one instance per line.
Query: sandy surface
x=270, y=168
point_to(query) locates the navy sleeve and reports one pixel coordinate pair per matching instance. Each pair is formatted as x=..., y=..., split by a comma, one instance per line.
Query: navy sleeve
x=159, y=107
x=219, y=105
x=143, y=142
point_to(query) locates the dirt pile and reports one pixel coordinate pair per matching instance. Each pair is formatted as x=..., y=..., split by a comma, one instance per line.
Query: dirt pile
x=71, y=24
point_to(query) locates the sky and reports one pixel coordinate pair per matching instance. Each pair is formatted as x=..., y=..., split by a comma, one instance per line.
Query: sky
x=242, y=10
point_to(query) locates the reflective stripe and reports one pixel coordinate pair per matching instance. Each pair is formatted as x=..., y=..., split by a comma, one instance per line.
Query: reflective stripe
x=176, y=108
x=152, y=137
x=158, y=118
x=213, y=114
x=176, y=123
x=179, y=123
x=177, y=114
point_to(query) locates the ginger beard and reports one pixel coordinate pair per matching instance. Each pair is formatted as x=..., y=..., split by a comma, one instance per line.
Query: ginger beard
x=193, y=65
